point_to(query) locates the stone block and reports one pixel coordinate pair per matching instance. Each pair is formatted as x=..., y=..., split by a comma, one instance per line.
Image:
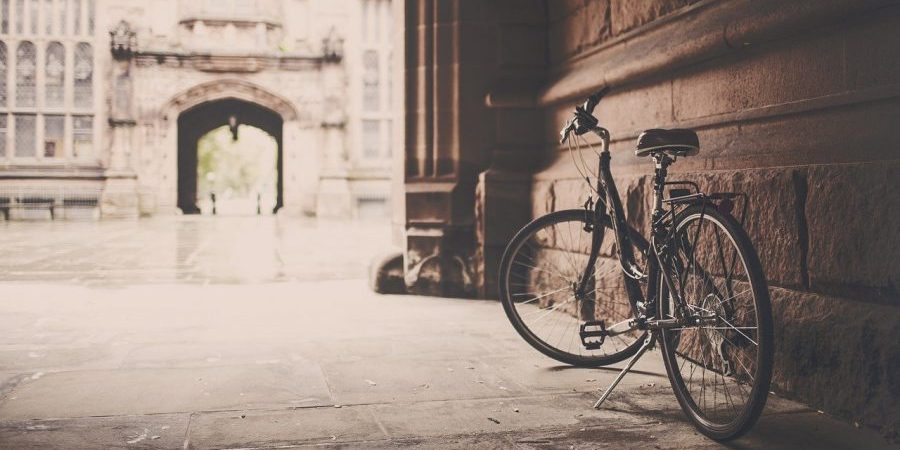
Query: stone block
x=542, y=198
x=637, y=109
x=852, y=212
x=569, y=194
x=773, y=216
x=627, y=14
x=565, y=37
x=873, y=53
x=596, y=14
x=839, y=356
x=789, y=72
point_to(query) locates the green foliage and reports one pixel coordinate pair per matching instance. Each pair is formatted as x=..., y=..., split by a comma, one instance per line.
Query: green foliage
x=236, y=168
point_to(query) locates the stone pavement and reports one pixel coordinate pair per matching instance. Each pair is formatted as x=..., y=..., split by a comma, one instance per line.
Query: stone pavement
x=261, y=333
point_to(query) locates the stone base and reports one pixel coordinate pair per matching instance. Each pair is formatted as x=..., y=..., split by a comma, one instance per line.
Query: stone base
x=438, y=261
x=334, y=200
x=120, y=199
x=386, y=274
x=502, y=205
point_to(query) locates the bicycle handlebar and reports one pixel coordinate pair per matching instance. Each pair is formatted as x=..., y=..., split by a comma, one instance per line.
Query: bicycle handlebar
x=593, y=100
x=584, y=119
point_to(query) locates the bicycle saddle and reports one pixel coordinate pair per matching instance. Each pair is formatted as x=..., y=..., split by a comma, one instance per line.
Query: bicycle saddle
x=675, y=142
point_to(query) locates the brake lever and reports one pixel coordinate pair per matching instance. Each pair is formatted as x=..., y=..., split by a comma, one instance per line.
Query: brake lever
x=564, y=133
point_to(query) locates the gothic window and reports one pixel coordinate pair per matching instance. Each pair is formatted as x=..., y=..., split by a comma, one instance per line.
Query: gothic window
x=92, y=6
x=77, y=17
x=54, y=75
x=62, y=9
x=3, y=131
x=25, y=74
x=47, y=104
x=25, y=127
x=4, y=16
x=4, y=64
x=20, y=16
x=48, y=16
x=84, y=75
x=374, y=129
x=33, y=13
x=371, y=138
x=388, y=126
x=54, y=133
x=370, y=81
x=83, y=136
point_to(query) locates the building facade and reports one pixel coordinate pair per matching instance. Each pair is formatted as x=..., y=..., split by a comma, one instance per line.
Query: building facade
x=795, y=103
x=103, y=102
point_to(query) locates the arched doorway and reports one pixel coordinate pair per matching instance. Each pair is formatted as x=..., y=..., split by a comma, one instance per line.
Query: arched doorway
x=198, y=120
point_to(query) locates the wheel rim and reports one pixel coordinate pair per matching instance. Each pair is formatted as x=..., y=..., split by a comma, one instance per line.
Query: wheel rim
x=716, y=363
x=540, y=279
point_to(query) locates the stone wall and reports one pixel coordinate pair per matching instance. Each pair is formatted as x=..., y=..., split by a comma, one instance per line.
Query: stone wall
x=800, y=116
x=795, y=103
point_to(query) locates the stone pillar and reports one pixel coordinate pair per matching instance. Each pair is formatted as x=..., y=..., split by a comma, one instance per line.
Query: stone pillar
x=461, y=131
x=300, y=167
x=448, y=136
x=120, y=193
x=503, y=200
x=333, y=199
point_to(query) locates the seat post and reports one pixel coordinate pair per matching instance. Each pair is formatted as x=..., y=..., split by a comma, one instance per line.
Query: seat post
x=659, y=183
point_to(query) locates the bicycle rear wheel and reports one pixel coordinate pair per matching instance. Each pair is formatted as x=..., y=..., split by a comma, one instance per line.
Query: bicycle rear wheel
x=720, y=366
x=538, y=275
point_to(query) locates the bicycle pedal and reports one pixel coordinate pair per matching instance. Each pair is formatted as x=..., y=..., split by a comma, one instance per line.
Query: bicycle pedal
x=593, y=333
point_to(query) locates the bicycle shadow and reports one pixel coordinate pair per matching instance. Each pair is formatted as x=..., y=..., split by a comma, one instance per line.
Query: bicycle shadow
x=616, y=370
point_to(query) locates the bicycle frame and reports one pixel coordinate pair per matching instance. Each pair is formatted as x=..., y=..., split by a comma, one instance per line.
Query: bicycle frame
x=610, y=205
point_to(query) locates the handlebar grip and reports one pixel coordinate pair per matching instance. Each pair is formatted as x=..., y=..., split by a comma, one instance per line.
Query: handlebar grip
x=593, y=100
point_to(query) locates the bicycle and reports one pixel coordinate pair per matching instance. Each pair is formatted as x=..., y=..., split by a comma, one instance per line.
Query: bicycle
x=695, y=286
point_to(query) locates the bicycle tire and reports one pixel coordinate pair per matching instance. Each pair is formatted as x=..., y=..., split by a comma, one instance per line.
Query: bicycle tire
x=506, y=292
x=719, y=343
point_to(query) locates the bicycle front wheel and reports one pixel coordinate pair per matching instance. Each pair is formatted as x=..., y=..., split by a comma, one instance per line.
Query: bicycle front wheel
x=720, y=361
x=539, y=272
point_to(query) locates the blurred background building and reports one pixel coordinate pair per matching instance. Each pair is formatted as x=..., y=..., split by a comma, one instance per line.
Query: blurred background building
x=104, y=104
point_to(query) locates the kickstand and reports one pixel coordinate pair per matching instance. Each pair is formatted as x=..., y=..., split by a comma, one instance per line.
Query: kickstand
x=648, y=342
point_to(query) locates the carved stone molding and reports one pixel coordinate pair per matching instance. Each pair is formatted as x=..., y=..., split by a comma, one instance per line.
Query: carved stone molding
x=238, y=89
x=122, y=41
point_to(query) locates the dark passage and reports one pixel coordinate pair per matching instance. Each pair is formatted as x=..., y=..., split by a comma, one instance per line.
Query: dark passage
x=201, y=119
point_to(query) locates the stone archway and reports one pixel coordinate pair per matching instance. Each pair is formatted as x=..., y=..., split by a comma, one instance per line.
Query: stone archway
x=207, y=106
x=205, y=117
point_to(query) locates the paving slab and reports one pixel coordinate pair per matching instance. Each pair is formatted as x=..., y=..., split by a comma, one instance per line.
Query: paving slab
x=161, y=431
x=541, y=374
x=153, y=391
x=186, y=355
x=460, y=417
x=282, y=428
x=412, y=379
x=43, y=358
